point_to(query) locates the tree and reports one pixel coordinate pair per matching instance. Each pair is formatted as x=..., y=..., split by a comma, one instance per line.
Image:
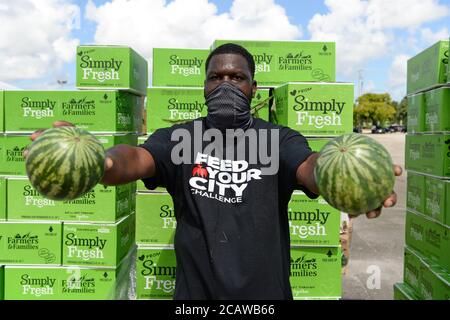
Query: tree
x=374, y=108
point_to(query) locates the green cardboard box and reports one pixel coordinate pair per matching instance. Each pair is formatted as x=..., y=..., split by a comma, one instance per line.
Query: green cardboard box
x=2, y=282
x=411, y=269
x=3, y=184
x=167, y=106
x=313, y=222
x=428, y=237
x=103, y=204
x=315, y=109
x=155, y=219
x=428, y=154
x=278, y=62
x=2, y=111
x=416, y=113
x=179, y=67
x=435, y=283
x=316, y=144
x=316, y=272
x=437, y=199
x=437, y=110
x=415, y=192
x=112, y=67
x=155, y=273
x=65, y=283
x=12, y=161
x=97, y=245
x=404, y=292
x=428, y=68
x=30, y=243
x=430, y=281
x=97, y=111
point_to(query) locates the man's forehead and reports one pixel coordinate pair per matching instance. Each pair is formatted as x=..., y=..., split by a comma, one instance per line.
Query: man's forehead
x=228, y=61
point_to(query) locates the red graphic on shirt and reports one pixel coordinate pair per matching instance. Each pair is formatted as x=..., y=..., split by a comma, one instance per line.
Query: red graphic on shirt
x=199, y=171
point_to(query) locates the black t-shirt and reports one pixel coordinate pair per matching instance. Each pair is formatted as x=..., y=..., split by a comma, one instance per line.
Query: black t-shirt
x=232, y=235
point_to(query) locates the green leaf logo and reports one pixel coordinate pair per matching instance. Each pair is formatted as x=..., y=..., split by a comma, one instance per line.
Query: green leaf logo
x=325, y=49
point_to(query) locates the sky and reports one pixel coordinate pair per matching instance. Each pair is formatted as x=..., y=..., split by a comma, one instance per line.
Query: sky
x=374, y=38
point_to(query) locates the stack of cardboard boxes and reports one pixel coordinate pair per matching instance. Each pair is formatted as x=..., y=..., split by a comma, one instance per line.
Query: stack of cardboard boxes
x=427, y=159
x=79, y=249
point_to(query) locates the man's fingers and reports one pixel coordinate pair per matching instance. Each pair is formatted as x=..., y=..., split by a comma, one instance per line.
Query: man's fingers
x=390, y=201
x=108, y=163
x=36, y=134
x=397, y=170
x=374, y=213
x=25, y=153
x=61, y=123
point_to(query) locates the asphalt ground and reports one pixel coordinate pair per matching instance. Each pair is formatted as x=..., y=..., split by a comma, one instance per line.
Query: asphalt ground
x=377, y=245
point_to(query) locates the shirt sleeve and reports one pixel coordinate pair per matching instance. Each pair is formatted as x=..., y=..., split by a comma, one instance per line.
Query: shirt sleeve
x=294, y=149
x=160, y=147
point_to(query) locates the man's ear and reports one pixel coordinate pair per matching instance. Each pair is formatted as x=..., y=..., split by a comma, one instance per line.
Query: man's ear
x=254, y=88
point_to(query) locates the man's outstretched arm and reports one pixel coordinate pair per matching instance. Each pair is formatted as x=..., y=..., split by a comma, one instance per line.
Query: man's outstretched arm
x=305, y=177
x=123, y=163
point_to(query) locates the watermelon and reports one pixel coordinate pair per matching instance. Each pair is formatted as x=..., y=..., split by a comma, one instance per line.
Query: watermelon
x=64, y=163
x=354, y=173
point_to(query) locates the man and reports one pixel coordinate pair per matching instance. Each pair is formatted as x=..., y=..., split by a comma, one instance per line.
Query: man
x=232, y=236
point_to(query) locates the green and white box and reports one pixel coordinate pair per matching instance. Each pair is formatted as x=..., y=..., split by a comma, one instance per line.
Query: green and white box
x=97, y=245
x=155, y=219
x=97, y=111
x=428, y=154
x=429, y=238
x=404, y=292
x=437, y=199
x=3, y=186
x=2, y=282
x=103, y=204
x=428, y=68
x=315, y=109
x=434, y=282
x=113, y=67
x=426, y=278
x=437, y=110
x=155, y=273
x=168, y=106
x=12, y=161
x=415, y=192
x=62, y=283
x=316, y=272
x=2, y=111
x=179, y=67
x=280, y=61
x=30, y=243
x=313, y=222
x=416, y=113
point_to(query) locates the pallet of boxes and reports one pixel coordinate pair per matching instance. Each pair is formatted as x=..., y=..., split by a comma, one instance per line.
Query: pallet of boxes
x=79, y=249
x=176, y=96
x=427, y=160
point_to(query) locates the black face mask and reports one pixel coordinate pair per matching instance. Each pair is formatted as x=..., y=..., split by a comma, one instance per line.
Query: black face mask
x=228, y=108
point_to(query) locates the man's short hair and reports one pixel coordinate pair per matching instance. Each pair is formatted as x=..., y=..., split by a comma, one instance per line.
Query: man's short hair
x=234, y=49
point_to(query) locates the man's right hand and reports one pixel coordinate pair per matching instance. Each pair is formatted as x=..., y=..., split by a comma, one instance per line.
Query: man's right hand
x=61, y=123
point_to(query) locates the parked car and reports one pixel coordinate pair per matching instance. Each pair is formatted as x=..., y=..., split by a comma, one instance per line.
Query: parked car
x=396, y=128
x=378, y=129
x=357, y=130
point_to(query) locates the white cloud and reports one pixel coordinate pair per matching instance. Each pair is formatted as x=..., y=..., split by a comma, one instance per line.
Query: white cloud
x=365, y=30
x=397, y=76
x=146, y=24
x=35, y=37
x=7, y=86
x=429, y=37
